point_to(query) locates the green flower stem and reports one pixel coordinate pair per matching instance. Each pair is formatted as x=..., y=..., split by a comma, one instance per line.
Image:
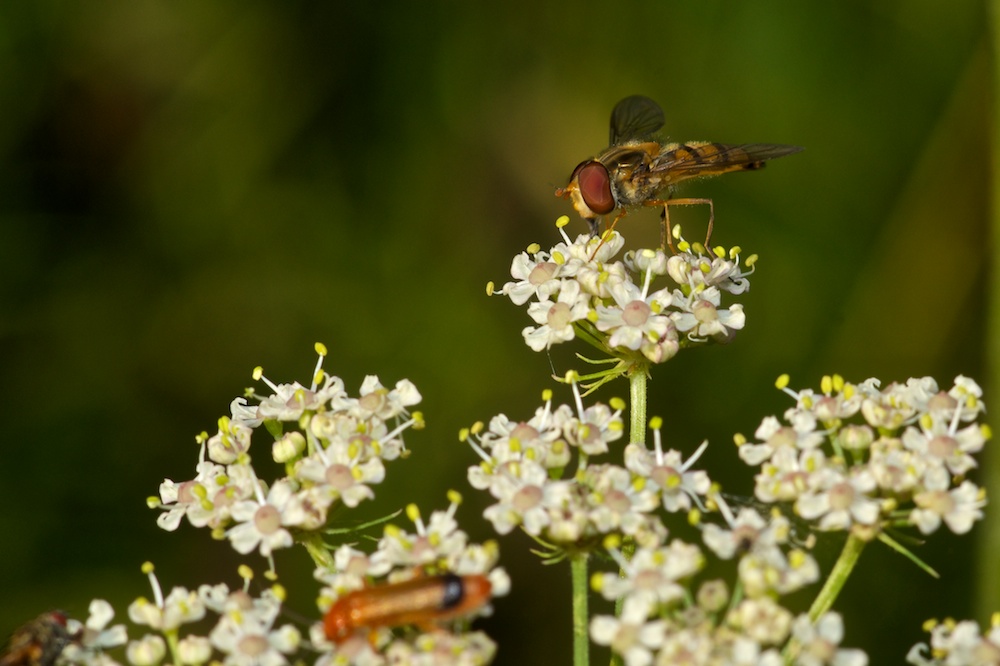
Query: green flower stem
x=320, y=554
x=637, y=400
x=173, y=643
x=838, y=577
x=986, y=574
x=581, y=639
x=628, y=549
x=637, y=378
x=834, y=584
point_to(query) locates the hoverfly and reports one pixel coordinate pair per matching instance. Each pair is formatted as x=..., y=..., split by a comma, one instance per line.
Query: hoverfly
x=636, y=168
x=423, y=601
x=38, y=642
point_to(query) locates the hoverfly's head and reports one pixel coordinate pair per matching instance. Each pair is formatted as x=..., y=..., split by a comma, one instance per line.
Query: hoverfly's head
x=590, y=191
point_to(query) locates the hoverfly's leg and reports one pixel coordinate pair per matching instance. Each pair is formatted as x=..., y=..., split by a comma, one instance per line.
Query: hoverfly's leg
x=684, y=202
x=711, y=214
x=666, y=233
x=607, y=234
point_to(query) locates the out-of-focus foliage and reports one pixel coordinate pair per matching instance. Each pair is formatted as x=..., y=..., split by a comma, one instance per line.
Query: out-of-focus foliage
x=188, y=190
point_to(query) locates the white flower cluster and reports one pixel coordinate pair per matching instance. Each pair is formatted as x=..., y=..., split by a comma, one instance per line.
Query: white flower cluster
x=854, y=456
x=751, y=633
x=244, y=632
x=524, y=468
x=663, y=617
x=579, y=291
x=433, y=548
x=333, y=447
x=959, y=644
x=523, y=464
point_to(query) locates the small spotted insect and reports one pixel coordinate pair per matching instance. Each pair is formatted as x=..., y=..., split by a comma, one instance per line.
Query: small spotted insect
x=37, y=643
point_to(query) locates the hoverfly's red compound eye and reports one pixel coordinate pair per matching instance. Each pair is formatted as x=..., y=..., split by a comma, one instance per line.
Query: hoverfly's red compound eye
x=595, y=187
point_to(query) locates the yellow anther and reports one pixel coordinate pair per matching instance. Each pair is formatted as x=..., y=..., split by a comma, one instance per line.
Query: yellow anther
x=838, y=383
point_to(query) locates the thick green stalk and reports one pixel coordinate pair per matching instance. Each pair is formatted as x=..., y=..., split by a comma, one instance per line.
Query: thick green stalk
x=581, y=638
x=173, y=643
x=834, y=584
x=987, y=576
x=838, y=576
x=637, y=404
x=637, y=435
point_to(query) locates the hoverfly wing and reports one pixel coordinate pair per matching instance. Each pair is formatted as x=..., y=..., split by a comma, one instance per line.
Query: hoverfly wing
x=635, y=117
x=698, y=159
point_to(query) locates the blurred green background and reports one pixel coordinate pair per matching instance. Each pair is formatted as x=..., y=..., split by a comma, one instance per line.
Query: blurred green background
x=191, y=189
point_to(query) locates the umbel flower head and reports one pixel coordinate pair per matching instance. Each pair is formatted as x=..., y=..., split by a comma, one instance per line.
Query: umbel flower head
x=855, y=457
x=245, y=628
x=955, y=643
x=333, y=447
x=542, y=475
x=643, y=307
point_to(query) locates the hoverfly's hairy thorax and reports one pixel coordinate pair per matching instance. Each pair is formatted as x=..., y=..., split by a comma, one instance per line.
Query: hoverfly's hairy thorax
x=630, y=171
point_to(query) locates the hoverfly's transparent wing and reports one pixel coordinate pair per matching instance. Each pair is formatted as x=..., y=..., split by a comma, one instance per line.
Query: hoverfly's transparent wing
x=700, y=159
x=635, y=117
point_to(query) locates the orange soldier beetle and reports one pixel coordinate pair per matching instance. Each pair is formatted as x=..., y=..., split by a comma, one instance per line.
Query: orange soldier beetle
x=423, y=601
